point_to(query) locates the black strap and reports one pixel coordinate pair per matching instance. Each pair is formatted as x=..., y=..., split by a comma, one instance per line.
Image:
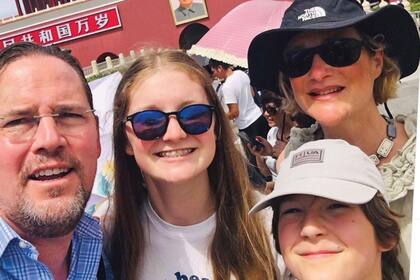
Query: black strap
x=101, y=270
x=388, y=111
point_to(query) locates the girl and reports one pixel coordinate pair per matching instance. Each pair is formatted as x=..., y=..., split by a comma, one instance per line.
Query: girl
x=181, y=189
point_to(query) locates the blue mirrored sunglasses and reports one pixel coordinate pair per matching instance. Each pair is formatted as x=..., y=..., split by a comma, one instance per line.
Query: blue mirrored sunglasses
x=152, y=124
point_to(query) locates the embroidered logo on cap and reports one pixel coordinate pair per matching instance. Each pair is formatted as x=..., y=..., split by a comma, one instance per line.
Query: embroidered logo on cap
x=308, y=156
x=312, y=13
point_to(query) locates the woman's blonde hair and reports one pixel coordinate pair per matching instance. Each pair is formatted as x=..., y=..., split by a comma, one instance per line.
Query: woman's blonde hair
x=240, y=246
x=384, y=87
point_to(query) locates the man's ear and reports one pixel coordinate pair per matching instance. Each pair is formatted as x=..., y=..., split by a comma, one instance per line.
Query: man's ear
x=98, y=141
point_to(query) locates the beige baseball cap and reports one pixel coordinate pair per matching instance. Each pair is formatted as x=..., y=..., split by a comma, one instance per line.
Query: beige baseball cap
x=329, y=168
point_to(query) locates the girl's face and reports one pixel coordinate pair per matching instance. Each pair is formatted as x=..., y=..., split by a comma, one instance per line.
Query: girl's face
x=333, y=94
x=324, y=239
x=273, y=114
x=177, y=156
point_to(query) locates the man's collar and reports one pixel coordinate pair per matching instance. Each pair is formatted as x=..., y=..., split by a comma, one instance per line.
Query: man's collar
x=7, y=235
x=88, y=226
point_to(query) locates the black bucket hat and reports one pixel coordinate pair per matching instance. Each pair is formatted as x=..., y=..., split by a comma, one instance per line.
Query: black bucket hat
x=393, y=21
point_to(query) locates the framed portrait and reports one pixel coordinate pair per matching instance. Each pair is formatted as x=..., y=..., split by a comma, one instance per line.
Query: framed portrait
x=184, y=11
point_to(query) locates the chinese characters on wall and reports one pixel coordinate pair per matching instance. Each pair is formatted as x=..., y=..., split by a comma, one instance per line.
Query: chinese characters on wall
x=66, y=30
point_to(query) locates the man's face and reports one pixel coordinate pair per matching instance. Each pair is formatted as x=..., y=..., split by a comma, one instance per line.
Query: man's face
x=185, y=3
x=46, y=178
x=218, y=72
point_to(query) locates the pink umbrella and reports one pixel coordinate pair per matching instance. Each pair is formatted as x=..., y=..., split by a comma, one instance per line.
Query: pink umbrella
x=229, y=39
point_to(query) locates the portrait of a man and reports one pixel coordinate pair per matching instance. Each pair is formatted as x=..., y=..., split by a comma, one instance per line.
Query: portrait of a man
x=184, y=11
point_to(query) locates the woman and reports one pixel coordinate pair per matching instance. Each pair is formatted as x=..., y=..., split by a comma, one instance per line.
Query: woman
x=181, y=192
x=336, y=64
x=331, y=216
x=277, y=137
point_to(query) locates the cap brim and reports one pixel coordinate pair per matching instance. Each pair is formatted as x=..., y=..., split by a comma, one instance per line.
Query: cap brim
x=335, y=189
x=266, y=48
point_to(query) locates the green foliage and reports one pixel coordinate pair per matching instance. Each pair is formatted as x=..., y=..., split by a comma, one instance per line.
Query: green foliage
x=415, y=6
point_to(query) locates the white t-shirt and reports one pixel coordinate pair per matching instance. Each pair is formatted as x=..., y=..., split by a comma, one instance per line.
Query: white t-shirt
x=217, y=85
x=270, y=161
x=237, y=90
x=176, y=252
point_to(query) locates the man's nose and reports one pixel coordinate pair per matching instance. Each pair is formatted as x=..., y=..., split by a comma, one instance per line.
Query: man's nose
x=48, y=135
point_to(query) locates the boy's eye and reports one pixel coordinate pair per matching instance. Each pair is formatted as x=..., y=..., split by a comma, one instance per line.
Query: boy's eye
x=337, y=205
x=290, y=211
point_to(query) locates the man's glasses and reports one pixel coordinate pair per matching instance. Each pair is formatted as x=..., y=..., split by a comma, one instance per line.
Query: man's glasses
x=22, y=128
x=152, y=124
x=271, y=110
x=338, y=52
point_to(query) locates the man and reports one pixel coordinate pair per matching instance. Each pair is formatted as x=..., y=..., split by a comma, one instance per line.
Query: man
x=49, y=144
x=188, y=10
x=238, y=95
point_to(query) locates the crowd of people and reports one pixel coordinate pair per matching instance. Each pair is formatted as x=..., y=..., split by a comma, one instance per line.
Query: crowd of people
x=338, y=175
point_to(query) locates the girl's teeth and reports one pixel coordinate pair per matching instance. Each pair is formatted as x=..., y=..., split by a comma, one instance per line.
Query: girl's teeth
x=177, y=153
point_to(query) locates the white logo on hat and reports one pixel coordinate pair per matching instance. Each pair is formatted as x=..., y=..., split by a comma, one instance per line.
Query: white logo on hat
x=312, y=13
x=308, y=156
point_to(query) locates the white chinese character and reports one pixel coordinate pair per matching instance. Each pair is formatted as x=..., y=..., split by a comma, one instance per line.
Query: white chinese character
x=8, y=42
x=101, y=20
x=63, y=31
x=27, y=37
x=82, y=23
x=45, y=36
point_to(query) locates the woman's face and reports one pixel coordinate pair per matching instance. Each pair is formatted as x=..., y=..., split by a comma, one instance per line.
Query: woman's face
x=176, y=156
x=333, y=94
x=273, y=114
x=324, y=239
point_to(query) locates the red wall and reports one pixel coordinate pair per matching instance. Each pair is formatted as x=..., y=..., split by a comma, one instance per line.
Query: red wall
x=143, y=23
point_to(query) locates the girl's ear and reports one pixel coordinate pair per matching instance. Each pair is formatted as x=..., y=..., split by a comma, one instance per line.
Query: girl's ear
x=129, y=149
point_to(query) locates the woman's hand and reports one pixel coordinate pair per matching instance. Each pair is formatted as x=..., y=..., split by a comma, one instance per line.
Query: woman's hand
x=267, y=150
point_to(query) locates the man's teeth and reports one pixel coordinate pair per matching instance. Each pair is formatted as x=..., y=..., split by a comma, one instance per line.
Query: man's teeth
x=50, y=172
x=176, y=153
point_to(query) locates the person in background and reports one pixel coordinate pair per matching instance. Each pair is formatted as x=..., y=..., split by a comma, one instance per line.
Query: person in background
x=336, y=63
x=238, y=95
x=49, y=142
x=181, y=189
x=331, y=216
x=277, y=136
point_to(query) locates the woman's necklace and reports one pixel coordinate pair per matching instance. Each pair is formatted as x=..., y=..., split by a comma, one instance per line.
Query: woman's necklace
x=386, y=144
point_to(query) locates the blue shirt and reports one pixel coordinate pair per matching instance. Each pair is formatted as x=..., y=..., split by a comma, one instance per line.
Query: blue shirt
x=19, y=258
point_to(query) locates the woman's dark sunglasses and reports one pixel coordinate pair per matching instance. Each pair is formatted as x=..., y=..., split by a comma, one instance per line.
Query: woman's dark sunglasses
x=338, y=52
x=271, y=110
x=152, y=124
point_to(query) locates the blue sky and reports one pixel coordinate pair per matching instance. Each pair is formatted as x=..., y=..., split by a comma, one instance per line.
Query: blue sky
x=7, y=8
